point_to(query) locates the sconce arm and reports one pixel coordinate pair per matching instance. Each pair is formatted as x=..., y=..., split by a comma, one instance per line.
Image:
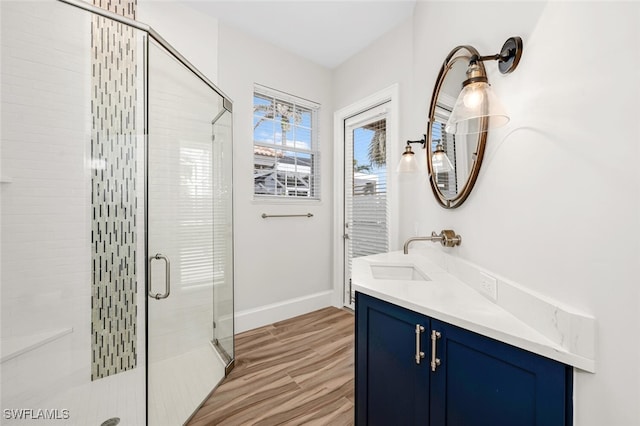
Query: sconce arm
x=488, y=57
x=508, y=58
x=422, y=141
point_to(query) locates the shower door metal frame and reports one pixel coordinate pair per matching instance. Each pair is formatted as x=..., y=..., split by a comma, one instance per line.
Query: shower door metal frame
x=227, y=102
x=227, y=105
x=230, y=359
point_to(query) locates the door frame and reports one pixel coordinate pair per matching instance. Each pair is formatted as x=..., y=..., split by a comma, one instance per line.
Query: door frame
x=388, y=95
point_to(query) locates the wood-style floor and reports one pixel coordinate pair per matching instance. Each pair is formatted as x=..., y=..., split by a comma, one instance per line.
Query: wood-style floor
x=294, y=372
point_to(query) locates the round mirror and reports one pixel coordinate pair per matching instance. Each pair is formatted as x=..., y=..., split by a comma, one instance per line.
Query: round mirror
x=453, y=160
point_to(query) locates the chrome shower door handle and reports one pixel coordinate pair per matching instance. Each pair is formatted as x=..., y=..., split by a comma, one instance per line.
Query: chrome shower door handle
x=167, y=283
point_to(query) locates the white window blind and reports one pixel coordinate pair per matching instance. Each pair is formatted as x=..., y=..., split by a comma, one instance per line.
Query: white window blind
x=367, y=213
x=447, y=182
x=285, y=146
x=195, y=209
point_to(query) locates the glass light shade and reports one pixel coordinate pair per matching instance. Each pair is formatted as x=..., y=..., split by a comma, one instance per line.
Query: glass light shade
x=440, y=161
x=476, y=102
x=407, y=163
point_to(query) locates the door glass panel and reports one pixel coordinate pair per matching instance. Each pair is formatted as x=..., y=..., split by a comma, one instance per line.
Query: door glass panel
x=223, y=237
x=366, y=206
x=184, y=365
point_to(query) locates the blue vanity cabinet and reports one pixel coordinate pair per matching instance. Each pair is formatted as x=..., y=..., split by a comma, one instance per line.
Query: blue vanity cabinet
x=391, y=388
x=477, y=381
x=483, y=382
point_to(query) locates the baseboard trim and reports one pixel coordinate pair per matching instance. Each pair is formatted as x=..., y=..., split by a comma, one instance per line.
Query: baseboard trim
x=268, y=314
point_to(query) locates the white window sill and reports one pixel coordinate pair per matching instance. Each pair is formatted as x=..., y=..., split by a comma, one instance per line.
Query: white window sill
x=286, y=201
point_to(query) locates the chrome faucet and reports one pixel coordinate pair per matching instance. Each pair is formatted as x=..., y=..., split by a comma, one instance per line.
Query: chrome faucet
x=447, y=238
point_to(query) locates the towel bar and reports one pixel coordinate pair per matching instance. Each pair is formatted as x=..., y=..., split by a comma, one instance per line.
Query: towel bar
x=264, y=215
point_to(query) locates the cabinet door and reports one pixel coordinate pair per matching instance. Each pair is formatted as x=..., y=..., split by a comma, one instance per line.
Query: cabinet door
x=481, y=381
x=391, y=388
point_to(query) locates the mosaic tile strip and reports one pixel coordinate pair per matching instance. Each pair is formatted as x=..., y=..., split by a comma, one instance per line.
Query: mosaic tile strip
x=113, y=197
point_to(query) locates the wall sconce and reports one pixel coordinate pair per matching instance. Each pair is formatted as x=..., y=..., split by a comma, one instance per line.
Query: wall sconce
x=477, y=101
x=440, y=160
x=408, y=161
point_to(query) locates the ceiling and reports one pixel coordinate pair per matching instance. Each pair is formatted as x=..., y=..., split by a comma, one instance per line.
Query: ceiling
x=326, y=32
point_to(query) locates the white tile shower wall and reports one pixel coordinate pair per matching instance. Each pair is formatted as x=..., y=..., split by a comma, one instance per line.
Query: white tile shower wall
x=45, y=209
x=46, y=219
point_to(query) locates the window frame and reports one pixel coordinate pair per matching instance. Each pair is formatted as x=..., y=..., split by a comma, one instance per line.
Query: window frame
x=313, y=152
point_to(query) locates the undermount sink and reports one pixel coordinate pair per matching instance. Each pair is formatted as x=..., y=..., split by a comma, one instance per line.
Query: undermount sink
x=398, y=272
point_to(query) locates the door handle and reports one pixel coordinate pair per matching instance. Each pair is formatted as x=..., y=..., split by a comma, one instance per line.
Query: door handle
x=419, y=353
x=435, y=362
x=167, y=282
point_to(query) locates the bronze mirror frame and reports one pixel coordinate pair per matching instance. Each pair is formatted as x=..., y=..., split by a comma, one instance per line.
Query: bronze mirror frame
x=463, y=52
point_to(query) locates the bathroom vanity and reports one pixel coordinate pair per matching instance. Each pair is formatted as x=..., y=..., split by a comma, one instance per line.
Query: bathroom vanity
x=415, y=370
x=431, y=350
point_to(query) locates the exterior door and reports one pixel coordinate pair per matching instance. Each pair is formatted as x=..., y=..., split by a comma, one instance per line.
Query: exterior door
x=366, y=206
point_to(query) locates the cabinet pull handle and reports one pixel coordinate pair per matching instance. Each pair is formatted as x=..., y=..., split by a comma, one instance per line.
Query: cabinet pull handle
x=435, y=362
x=419, y=353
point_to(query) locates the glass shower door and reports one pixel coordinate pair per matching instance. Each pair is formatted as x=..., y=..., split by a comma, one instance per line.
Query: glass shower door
x=223, y=236
x=184, y=239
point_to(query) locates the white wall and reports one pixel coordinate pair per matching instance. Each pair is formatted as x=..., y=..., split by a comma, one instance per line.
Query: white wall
x=192, y=33
x=548, y=210
x=276, y=259
x=385, y=62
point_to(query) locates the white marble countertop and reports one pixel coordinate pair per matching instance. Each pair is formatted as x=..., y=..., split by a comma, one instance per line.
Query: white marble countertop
x=448, y=299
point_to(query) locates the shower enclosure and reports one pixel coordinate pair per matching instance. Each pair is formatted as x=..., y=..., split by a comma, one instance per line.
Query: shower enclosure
x=116, y=225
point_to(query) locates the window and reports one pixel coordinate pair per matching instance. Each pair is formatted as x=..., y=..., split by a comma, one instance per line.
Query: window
x=446, y=181
x=285, y=146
